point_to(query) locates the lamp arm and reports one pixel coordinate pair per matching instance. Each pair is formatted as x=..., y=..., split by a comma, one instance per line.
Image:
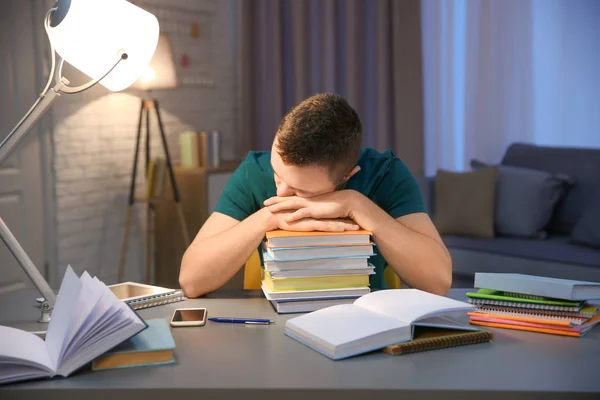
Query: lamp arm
x=38, y=110
x=32, y=272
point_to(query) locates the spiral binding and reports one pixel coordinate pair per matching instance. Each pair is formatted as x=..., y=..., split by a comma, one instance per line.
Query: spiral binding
x=540, y=314
x=440, y=343
x=157, y=300
x=532, y=306
x=524, y=296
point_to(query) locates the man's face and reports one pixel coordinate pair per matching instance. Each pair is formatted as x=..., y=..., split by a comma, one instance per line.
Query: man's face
x=291, y=180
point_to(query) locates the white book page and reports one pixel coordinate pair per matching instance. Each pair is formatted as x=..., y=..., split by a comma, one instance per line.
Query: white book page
x=62, y=315
x=117, y=329
x=337, y=325
x=24, y=348
x=409, y=305
x=89, y=311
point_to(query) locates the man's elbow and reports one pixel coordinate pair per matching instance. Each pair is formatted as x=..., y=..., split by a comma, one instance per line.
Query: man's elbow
x=190, y=283
x=444, y=281
x=188, y=287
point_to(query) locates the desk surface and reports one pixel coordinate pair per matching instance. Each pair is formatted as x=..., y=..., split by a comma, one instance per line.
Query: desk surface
x=260, y=361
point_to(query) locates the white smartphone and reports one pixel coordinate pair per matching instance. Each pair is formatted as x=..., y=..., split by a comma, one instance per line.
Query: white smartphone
x=188, y=317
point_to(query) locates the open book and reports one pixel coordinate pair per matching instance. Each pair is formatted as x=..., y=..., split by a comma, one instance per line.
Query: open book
x=374, y=321
x=88, y=320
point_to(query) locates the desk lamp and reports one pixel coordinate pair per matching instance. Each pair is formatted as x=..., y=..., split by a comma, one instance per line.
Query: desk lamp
x=111, y=41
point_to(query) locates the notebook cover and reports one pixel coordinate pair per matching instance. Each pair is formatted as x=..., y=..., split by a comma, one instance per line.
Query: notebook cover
x=522, y=305
x=537, y=327
x=500, y=295
x=526, y=328
x=426, y=339
x=156, y=337
x=281, y=233
x=536, y=285
x=585, y=313
x=531, y=319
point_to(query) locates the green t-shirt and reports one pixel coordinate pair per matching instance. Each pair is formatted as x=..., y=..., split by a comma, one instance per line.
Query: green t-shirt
x=383, y=178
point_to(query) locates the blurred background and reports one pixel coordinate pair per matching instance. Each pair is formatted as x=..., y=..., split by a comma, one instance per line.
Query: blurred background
x=440, y=82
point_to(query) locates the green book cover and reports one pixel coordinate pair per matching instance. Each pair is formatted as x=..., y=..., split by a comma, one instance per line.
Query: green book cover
x=500, y=295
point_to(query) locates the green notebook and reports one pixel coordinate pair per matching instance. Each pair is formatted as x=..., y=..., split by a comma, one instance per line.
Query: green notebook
x=504, y=296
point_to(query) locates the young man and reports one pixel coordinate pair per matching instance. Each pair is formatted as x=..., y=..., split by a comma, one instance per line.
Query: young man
x=317, y=177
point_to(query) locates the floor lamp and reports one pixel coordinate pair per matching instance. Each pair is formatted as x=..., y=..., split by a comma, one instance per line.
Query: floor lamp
x=110, y=41
x=159, y=74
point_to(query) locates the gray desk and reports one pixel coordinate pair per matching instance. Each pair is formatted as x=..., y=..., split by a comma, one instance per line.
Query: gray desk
x=230, y=360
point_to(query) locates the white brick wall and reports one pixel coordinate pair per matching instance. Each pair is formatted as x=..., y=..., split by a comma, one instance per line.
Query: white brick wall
x=94, y=141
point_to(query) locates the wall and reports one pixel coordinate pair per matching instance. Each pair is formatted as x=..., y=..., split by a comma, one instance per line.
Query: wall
x=94, y=140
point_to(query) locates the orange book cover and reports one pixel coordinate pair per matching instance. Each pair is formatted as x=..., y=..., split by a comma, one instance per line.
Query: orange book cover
x=553, y=322
x=281, y=233
x=527, y=328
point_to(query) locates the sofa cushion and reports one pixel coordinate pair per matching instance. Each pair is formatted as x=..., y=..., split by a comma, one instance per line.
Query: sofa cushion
x=587, y=230
x=464, y=202
x=556, y=248
x=525, y=199
x=581, y=164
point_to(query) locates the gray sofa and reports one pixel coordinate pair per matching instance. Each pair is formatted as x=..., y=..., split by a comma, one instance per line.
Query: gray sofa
x=554, y=256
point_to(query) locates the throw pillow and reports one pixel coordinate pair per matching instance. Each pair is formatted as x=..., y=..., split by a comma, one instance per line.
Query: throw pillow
x=464, y=202
x=525, y=199
x=587, y=229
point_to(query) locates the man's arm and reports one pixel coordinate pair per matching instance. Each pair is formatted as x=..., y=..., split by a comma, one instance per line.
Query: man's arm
x=219, y=250
x=410, y=244
x=224, y=244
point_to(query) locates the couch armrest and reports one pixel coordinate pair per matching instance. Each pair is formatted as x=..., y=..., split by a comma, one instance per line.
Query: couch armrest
x=426, y=187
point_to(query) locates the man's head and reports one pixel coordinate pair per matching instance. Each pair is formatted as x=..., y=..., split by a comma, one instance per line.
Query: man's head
x=316, y=146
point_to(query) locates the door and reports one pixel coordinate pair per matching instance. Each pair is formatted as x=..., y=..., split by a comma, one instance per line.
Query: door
x=21, y=176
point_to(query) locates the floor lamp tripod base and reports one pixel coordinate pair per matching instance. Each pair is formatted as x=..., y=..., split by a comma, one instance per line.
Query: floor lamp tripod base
x=146, y=108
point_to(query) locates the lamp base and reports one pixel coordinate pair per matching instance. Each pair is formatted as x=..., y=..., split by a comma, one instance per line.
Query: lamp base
x=46, y=312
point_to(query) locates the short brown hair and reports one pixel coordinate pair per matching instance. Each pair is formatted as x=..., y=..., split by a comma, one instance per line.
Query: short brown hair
x=321, y=130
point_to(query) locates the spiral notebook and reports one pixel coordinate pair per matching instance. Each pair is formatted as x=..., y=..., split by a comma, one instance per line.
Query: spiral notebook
x=428, y=338
x=139, y=295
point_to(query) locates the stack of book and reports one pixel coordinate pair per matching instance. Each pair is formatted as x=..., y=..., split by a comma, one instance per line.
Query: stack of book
x=307, y=271
x=534, y=303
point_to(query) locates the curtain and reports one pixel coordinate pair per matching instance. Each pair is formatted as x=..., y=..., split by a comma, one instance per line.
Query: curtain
x=368, y=51
x=496, y=72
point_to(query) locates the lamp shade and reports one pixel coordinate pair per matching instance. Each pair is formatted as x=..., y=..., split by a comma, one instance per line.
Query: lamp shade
x=161, y=72
x=91, y=35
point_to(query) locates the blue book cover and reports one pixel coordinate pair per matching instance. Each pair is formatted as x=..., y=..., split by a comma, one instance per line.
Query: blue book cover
x=542, y=286
x=153, y=346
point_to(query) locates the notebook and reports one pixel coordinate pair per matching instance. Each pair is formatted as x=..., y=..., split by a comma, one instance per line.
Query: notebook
x=308, y=305
x=316, y=252
x=139, y=295
x=282, y=238
x=495, y=297
x=427, y=338
x=585, y=313
x=576, y=331
x=87, y=321
x=318, y=263
x=314, y=294
x=152, y=346
x=374, y=321
x=313, y=283
x=539, y=286
x=307, y=273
